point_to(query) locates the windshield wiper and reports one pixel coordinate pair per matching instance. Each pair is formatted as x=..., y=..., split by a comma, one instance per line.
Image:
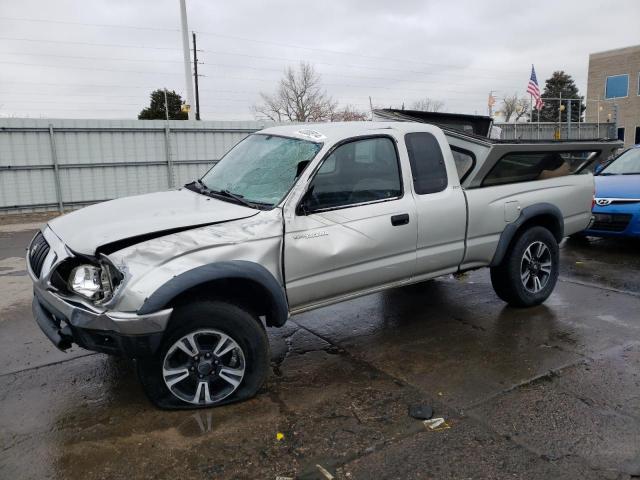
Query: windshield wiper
x=238, y=198
x=226, y=194
x=197, y=186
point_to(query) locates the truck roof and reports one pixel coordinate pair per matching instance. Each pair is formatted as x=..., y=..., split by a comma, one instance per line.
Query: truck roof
x=332, y=131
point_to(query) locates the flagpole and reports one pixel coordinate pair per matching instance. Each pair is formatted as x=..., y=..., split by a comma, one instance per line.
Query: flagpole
x=531, y=108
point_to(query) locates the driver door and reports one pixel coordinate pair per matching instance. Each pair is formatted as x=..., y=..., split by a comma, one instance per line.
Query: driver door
x=355, y=229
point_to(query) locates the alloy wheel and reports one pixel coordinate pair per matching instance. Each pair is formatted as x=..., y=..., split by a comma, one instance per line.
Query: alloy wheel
x=535, y=267
x=203, y=367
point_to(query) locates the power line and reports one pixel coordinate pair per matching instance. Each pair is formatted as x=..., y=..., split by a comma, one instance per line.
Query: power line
x=341, y=65
x=73, y=67
x=392, y=79
x=104, y=25
x=88, y=43
x=137, y=60
x=337, y=52
x=261, y=79
x=245, y=39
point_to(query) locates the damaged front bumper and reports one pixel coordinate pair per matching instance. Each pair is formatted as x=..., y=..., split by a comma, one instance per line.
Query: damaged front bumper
x=115, y=333
x=65, y=321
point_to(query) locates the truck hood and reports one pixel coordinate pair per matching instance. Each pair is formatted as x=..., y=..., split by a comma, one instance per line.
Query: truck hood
x=617, y=186
x=124, y=221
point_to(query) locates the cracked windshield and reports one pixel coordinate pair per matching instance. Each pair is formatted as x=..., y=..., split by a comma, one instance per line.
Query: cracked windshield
x=262, y=168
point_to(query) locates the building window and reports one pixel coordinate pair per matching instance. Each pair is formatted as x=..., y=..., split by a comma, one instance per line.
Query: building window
x=637, y=141
x=617, y=86
x=621, y=133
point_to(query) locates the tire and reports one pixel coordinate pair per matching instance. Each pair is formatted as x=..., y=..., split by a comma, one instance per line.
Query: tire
x=229, y=363
x=524, y=283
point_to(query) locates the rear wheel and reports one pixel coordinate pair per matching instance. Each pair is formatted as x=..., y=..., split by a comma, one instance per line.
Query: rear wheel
x=529, y=271
x=216, y=353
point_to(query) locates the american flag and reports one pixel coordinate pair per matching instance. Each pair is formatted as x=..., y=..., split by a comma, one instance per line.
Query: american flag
x=534, y=90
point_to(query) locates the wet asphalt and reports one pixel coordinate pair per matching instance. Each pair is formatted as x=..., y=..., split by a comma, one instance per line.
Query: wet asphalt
x=548, y=392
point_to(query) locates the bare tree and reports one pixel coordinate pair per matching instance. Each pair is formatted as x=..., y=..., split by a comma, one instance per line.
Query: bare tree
x=428, y=105
x=299, y=98
x=349, y=114
x=514, y=106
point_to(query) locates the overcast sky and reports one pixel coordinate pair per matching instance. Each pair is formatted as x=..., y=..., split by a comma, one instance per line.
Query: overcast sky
x=102, y=58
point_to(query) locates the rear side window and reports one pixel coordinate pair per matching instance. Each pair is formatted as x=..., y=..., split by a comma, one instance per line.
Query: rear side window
x=530, y=166
x=427, y=163
x=464, y=161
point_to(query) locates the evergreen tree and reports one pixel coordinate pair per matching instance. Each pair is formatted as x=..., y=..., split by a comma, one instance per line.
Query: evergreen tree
x=560, y=82
x=156, y=110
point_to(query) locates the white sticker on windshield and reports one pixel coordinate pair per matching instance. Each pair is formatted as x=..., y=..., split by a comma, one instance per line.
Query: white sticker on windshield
x=311, y=134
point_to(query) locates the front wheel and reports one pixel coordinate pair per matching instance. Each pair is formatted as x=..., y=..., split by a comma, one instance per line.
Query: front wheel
x=529, y=271
x=215, y=353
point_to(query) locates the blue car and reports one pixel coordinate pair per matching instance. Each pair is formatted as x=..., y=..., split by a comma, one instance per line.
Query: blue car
x=616, y=208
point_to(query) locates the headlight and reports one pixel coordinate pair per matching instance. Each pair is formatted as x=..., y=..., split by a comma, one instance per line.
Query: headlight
x=91, y=282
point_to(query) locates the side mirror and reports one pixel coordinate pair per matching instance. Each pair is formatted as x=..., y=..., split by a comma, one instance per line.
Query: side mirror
x=598, y=169
x=301, y=166
x=304, y=206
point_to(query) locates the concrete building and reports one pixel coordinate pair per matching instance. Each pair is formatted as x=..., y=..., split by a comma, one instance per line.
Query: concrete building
x=614, y=79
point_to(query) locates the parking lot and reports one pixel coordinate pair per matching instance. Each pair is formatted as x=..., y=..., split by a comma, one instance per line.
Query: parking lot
x=548, y=392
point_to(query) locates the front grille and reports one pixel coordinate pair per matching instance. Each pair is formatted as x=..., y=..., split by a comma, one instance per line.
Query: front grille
x=38, y=251
x=615, y=222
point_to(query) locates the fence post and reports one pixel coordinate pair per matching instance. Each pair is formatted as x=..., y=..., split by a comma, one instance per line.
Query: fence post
x=167, y=146
x=579, y=132
x=56, y=170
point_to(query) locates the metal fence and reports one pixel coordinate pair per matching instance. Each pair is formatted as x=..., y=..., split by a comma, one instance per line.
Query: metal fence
x=551, y=131
x=64, y=164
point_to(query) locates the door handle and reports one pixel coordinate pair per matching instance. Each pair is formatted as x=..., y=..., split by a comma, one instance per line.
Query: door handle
x=401, y=219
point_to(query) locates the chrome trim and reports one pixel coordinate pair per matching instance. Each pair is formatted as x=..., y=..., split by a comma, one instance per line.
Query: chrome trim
x=603, y=202
x=350, y=205
x=58, y=252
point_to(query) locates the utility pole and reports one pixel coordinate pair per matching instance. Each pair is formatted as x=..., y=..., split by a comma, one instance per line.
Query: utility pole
x=195, y=75
x=166, y=104
x=186, y=57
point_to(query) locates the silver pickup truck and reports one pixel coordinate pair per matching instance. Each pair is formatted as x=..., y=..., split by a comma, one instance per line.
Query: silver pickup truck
x=295, y=218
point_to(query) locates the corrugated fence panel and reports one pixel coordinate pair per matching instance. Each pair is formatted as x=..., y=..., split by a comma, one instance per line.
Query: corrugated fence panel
x=104, y=159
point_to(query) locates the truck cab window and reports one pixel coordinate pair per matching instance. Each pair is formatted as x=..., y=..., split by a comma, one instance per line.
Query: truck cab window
x=427, y=163
x=357, y=172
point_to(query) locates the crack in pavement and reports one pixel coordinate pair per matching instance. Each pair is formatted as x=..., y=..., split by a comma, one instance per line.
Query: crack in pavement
x=51, y=364
x=597, y=286
x=553, y=372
